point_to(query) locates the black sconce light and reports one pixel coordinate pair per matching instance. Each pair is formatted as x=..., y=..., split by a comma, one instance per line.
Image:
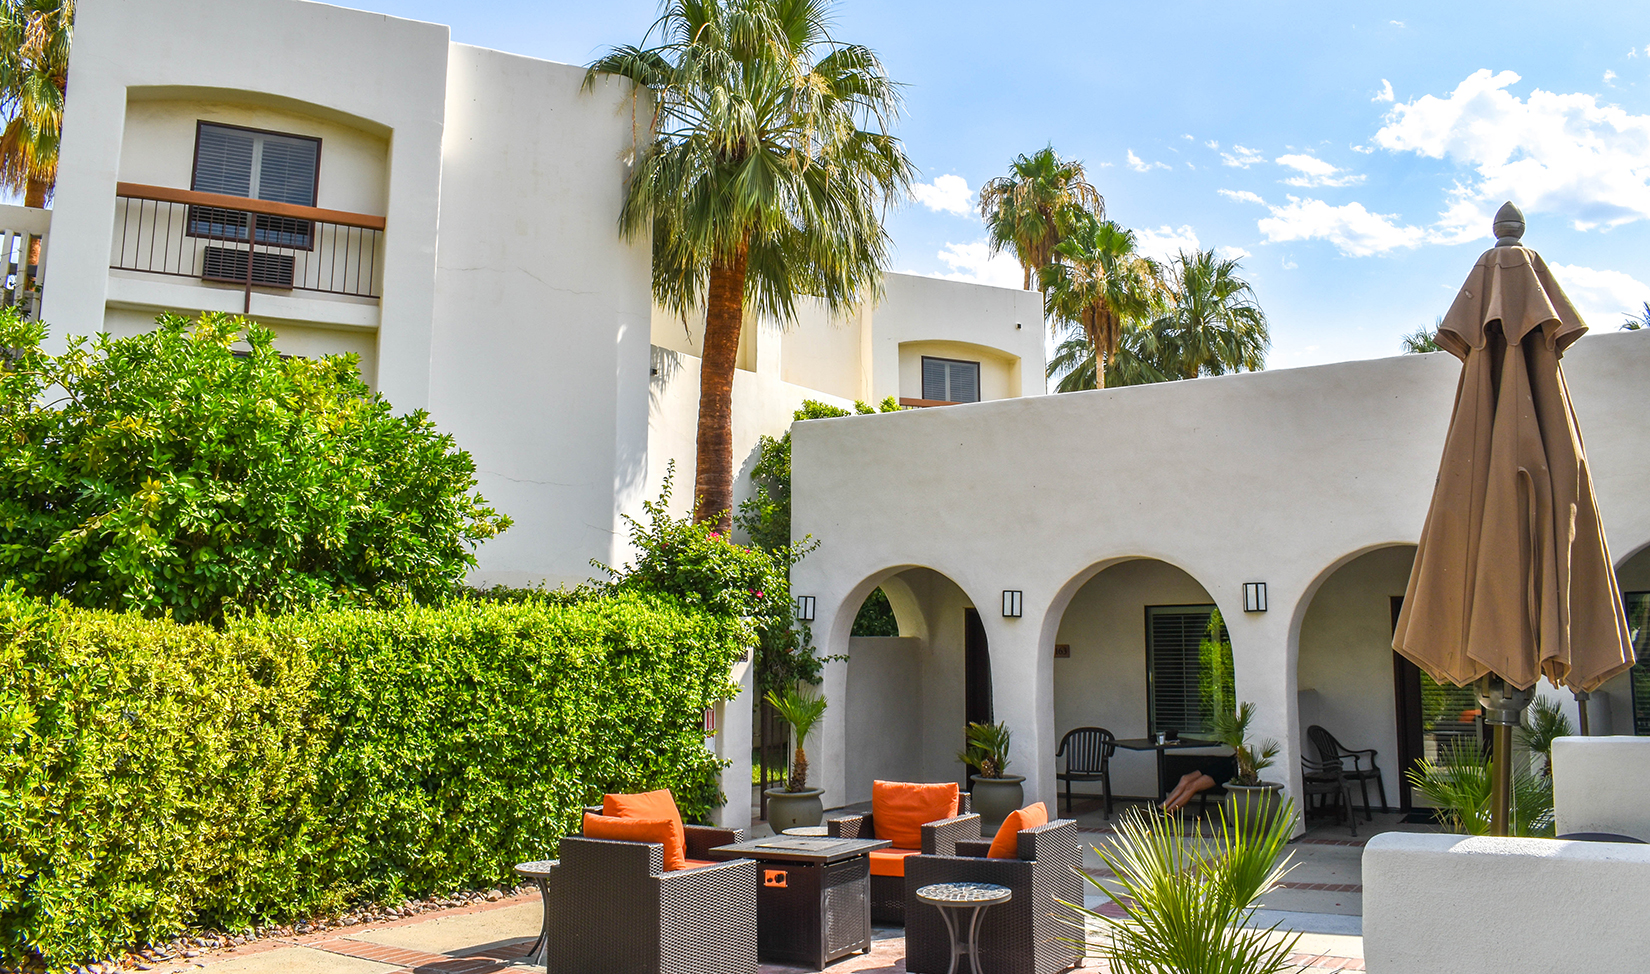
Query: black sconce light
x=805, y=608
x=1254, y=596
x=1011, y=603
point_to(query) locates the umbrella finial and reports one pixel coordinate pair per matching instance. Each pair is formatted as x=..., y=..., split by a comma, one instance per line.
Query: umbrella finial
x=1509, y=225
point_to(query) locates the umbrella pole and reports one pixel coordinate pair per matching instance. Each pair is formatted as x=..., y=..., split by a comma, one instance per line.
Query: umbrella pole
x=1503, y=710
x=1581, y=711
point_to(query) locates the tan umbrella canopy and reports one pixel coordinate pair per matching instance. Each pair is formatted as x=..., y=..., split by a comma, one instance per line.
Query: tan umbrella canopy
x=1513, y=576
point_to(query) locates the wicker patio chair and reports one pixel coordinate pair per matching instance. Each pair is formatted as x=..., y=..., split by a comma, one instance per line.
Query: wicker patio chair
x=1330, y=749
x=1022, y=936
x=614, y=910
x=1327, y=780
x=938, y=838
x=1088, y=752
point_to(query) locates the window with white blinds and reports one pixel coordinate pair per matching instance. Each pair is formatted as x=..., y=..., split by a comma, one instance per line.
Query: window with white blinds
x=950, y=380
x=1174, y=670
x=257, y=165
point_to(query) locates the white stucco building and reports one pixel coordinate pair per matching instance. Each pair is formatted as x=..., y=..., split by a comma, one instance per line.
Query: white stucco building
x=449, y=214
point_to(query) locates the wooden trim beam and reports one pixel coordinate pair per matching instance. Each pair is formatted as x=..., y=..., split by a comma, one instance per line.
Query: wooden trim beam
x=925, y=403
x=165, y=194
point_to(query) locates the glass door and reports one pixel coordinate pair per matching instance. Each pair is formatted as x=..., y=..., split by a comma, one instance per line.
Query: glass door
x=1433, y=718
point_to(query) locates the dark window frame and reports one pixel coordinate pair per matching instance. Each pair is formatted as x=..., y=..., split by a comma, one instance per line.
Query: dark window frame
x=260, y=221
x=978, y=377
x=1204, y=609
x=1640, y=672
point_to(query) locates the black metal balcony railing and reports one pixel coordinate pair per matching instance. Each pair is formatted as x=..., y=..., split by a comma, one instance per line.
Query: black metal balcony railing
x=253, y=243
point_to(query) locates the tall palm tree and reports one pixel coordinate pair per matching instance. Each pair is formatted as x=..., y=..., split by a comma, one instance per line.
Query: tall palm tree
x=1023, y=210
x=1214, y=324
x=1142, y=357
x=1099, y=282
x=767, y=169
x=34, y=75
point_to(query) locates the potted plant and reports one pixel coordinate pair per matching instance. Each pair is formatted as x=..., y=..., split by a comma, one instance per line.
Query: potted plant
x=1251, y=802
x=796, y=804
x=994, y=794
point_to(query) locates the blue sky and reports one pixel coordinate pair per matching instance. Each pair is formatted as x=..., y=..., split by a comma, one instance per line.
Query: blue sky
x=1352, y=153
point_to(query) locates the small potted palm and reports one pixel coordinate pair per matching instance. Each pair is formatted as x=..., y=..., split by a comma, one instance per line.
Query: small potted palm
x=796, y=804
x=994, y=794
x=1251, y=802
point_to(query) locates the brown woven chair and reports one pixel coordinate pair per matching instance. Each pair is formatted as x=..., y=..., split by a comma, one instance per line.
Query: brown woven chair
x=1022, y=936
x=612, y=908
x=938, y=839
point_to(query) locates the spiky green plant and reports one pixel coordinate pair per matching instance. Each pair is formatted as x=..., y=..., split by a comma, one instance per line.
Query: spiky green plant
x=1188, y=902
x=1544, y=722
x=1232, y=730
x=1458, y=785
x=802, y=711
x=987, y=750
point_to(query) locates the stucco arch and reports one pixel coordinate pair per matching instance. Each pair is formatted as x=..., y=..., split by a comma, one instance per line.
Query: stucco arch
x=259, y=99
x=1074, y=583
x=906, y=605
x=1632, y=553
x=1298, y=612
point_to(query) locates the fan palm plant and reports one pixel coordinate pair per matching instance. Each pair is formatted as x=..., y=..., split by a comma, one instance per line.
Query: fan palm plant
x=1232, y=729
x=987, y=749
x=763, y=179
x=1101, y=283
x=1214, y=324
x=801, y=711
x=1023, y=210
x=1458, y=786
x=1543, y=723
x=34, y=75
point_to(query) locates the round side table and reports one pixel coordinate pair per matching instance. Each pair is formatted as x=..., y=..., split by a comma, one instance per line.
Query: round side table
x=961, y=906
x=539, y=872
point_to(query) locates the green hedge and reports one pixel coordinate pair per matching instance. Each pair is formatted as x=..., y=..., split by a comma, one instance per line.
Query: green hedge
x=156, y=775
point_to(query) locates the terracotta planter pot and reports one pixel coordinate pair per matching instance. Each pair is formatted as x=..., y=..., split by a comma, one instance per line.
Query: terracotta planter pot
x=994, y=798
x=1254, y=807
x=793, y=809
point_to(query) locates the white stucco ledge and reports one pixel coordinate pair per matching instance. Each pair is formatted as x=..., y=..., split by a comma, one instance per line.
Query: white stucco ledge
x=1602, y=784
x=1481, y=905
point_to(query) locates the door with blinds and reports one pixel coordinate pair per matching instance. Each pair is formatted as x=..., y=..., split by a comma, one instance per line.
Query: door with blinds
x=1184, y=676
x=259, y=165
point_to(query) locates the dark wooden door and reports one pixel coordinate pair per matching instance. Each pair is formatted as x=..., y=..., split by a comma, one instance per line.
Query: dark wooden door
x=977, y=667
x=1406, y=690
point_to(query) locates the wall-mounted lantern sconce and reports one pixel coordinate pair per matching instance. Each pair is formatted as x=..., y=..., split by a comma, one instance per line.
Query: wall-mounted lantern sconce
x=1254, y=596
x=805, y=608
x=1011, y=603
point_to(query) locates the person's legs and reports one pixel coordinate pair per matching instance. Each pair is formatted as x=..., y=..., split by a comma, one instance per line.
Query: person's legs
x=1190, y=785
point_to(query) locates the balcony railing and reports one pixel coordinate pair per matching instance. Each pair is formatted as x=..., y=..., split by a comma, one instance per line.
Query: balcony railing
x=23, y=233
x=252, y=243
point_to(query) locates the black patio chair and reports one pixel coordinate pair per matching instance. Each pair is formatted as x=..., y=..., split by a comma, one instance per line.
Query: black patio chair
x=1331, y=750
x=1088, y=752
x=1327, y=780
x=1024, y=935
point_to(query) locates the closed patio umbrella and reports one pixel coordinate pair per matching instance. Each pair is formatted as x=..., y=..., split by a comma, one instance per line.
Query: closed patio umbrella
x=1512, y=578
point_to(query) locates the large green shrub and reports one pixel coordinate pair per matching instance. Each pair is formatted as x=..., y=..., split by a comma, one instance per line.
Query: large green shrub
x=155, y=775
x=167, y=472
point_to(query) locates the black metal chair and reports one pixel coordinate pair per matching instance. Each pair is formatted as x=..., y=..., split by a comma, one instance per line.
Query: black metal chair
x=1088, y=752
x=1333, y=751
x=611, y=907
x=1327, y=780
x=1022, y=936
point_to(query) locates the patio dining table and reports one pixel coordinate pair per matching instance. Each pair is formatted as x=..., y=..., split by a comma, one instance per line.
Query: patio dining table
x=1153, y=744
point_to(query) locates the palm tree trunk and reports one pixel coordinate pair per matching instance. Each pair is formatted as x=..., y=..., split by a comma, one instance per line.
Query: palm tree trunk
x=713, y=463
x=1027, y=269
x=35, y=195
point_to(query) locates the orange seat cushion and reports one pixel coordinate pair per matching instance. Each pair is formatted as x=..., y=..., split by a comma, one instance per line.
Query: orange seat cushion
x=653, y=805
x=899, y=809
x=1007, y=843
x=636, y=830
x=691, y=863
x=891, y=862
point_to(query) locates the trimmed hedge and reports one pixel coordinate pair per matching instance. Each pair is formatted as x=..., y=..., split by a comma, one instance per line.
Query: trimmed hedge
x=156, y=775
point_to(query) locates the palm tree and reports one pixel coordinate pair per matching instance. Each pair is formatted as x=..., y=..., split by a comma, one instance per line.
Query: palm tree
x=1633, y=323
x=1023, y=210
x=766, y=171
x=1142, y=357
x=1099, y=282
x=34, y=75
x=1423, y=339
x=1214, y=324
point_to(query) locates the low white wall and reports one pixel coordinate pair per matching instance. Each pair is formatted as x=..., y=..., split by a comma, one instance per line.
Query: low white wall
x=884, y=711
x=1480, y=905
x=1602, y=784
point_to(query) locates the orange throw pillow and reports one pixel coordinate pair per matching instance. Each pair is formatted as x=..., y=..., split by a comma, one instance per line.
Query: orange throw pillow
x=899, y=809
x=637, y=830
x=652, y=805
x=1007, y=843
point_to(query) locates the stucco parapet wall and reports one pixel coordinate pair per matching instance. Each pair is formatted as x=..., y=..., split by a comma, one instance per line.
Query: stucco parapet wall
x=1482, y=905
x=1602, y=784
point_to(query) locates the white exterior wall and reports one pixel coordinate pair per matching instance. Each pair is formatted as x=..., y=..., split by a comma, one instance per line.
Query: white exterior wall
x=1001, y=328
x=1279, y=477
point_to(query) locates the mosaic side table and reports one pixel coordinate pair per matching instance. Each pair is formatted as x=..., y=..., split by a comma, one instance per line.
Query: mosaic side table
x=539, y=872
x=961, y=905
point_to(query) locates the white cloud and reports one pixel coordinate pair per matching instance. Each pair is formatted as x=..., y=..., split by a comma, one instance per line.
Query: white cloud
x=1241, y=196
x=1288, y=264
x=1609, y=77
x=1550, y=153
x=1353, y=229
x=1396, y=23
x=1188, y=138
x=1385, y=94
x=1241, y=157
x=1212, y=144
x=946, y=194
x=1166, y=241
x=1366, y=150
x=1231, y=253
x=975, y=263
x=1139, y=165
x=1315, y=172
x=1604, y=298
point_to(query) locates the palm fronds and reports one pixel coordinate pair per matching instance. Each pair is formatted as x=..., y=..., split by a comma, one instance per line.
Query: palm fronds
x=1024, y=210
x=1458, y=785
x=1543, y=723
x=802, y=711
x=35, y=36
